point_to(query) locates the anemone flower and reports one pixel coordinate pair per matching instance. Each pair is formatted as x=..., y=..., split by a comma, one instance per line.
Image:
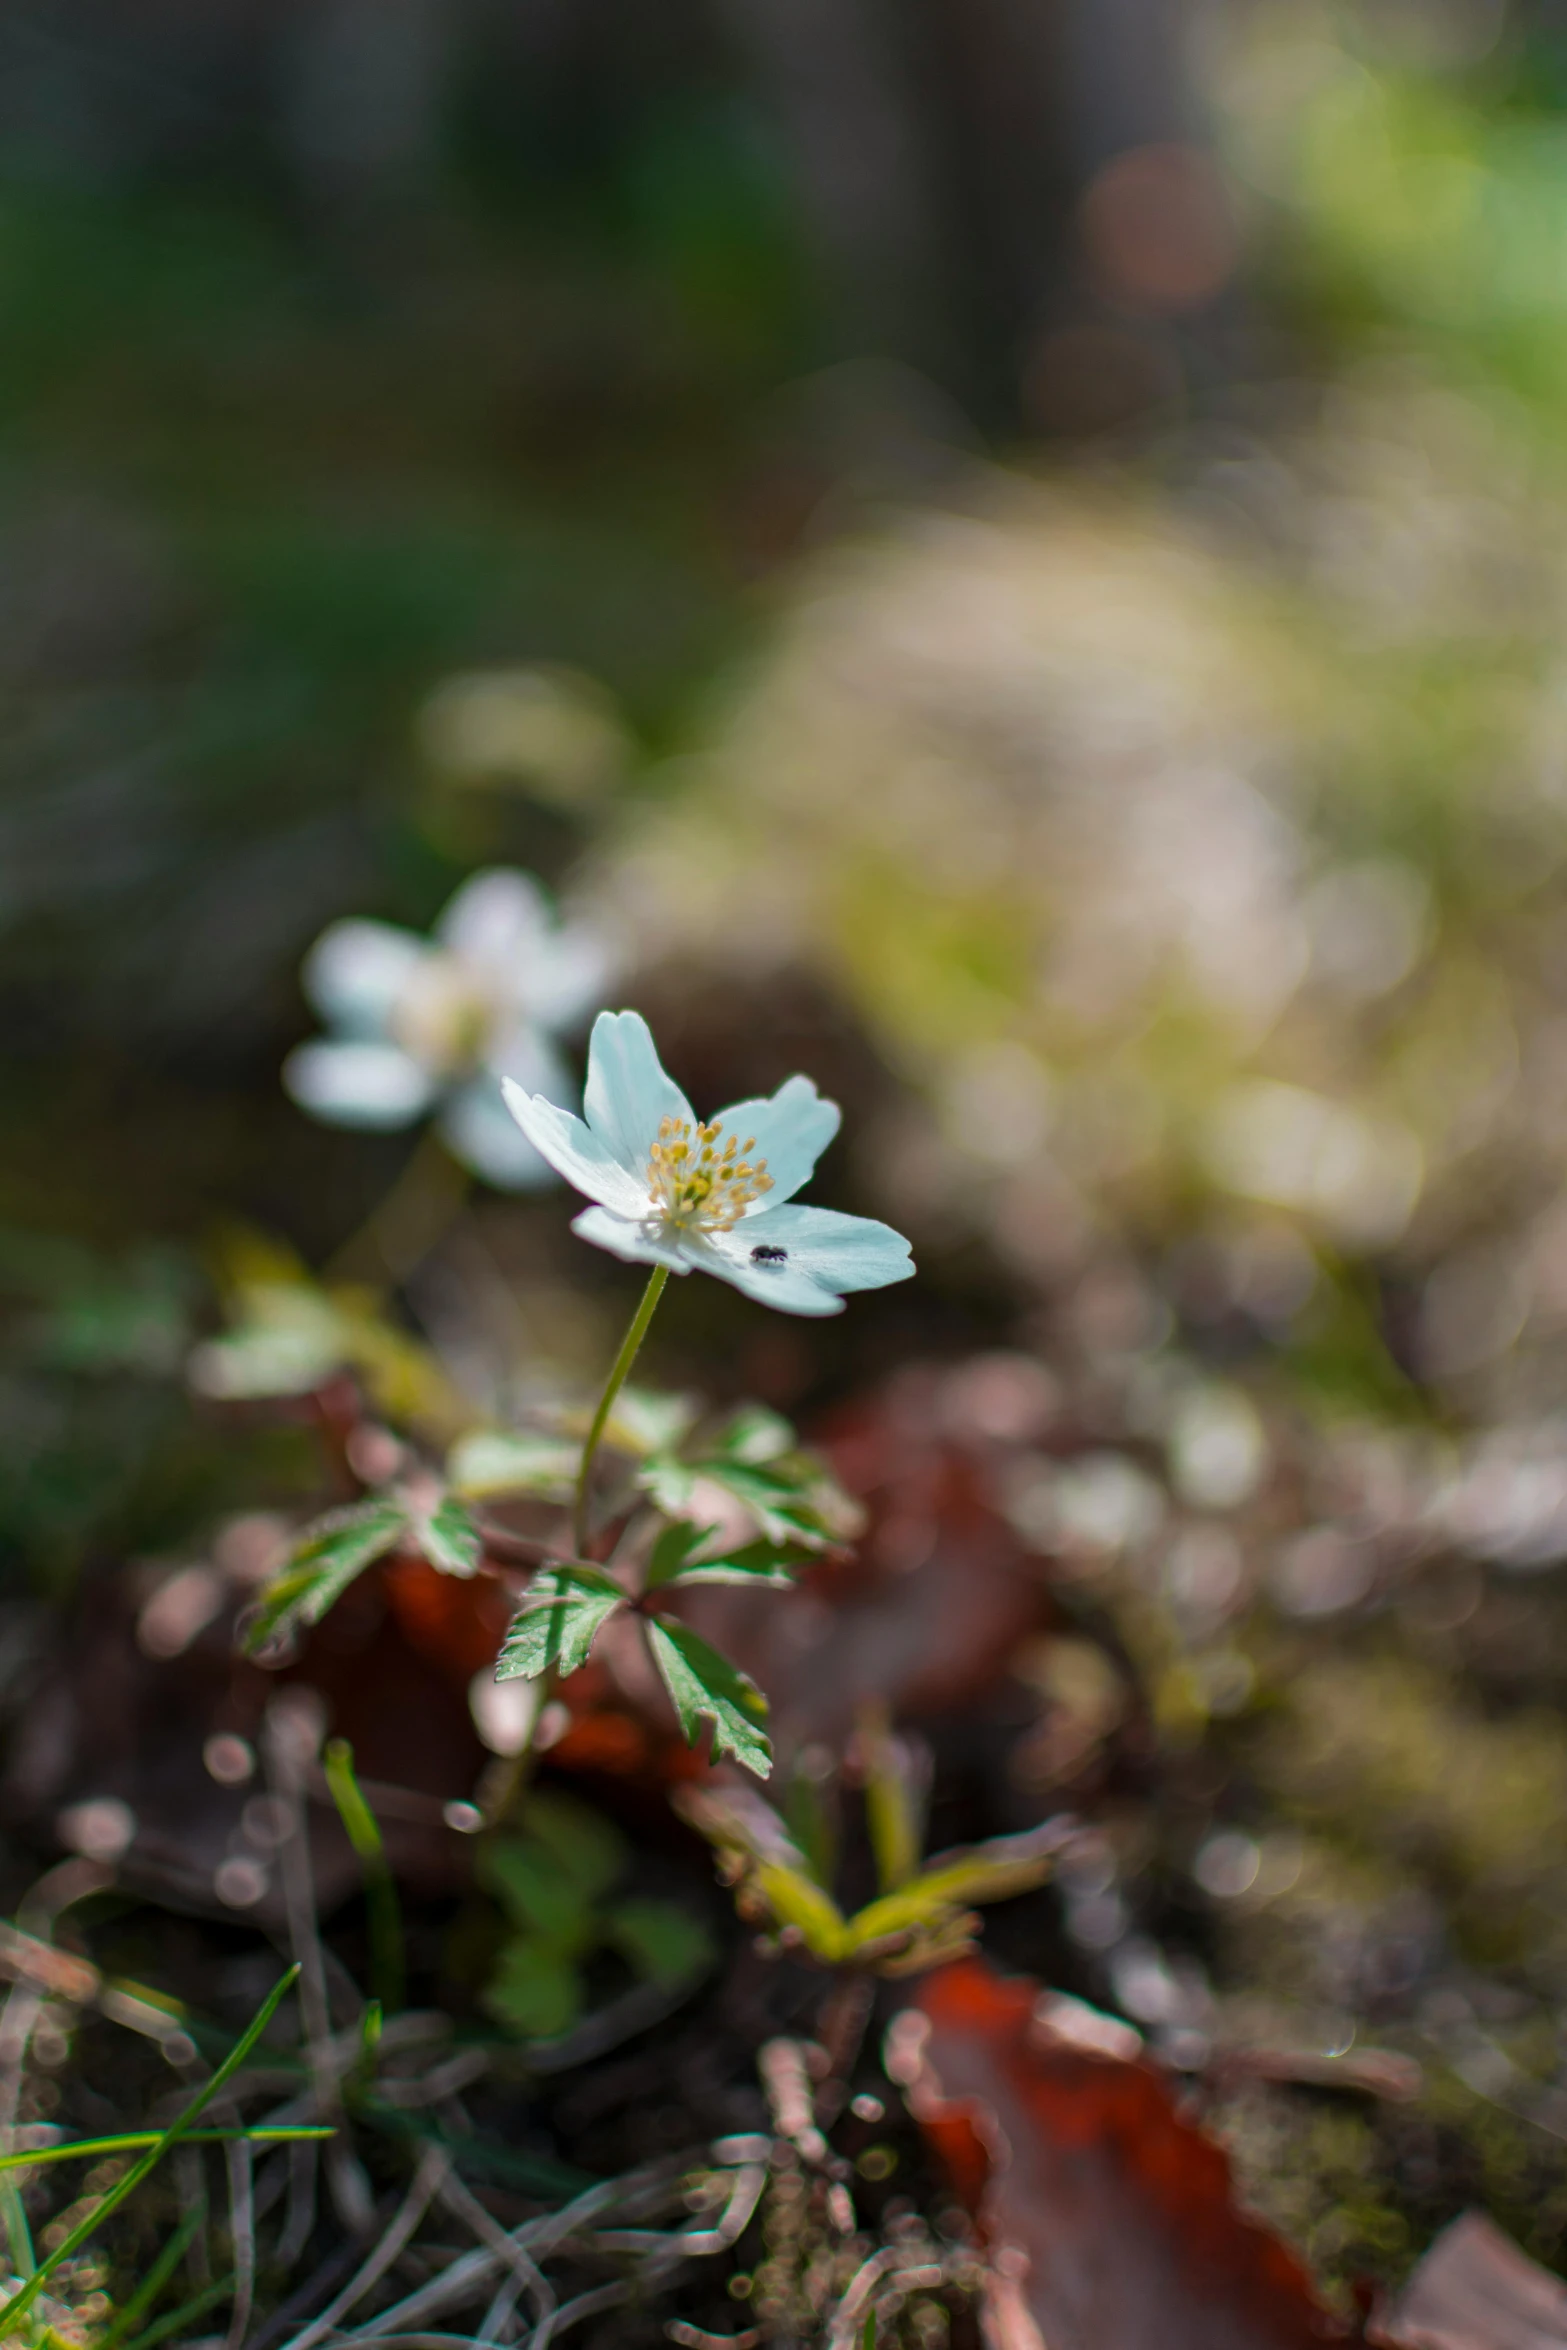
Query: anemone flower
x=715, y=1198
x=432, y=1024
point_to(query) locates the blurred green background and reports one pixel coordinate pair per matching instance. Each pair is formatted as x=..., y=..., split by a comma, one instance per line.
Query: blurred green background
x=1031, y=542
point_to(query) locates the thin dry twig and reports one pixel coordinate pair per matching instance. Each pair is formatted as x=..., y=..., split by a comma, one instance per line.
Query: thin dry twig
x=585, y=2305
x=526, y=2276
x=291, y=1737
x=242, y=2232
x=466, y=2277
x=300, y=2218
x=495, y=2326
x=434, y=2164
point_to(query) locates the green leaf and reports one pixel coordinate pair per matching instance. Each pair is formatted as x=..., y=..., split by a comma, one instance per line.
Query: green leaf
x=705, y=1686
x=754, y=1434
x=670, y=1482
x=791, y=1501
x=528, y=1881
x=671, y=1551
x=769, y=1563
x=758, y=1849
x=660, y=1941
x=897, y=1778
x=644, y=1422
x=449, y=1538
x=796, y=1899
x=536, y=1990
x=287, y=1335
x=561, y=1616
x=491, y=1461
x=986, y=1872
x=266, y=1360
x=671, y=1562
x=582, y=1844
x=325, y=1560
x=16, y=2308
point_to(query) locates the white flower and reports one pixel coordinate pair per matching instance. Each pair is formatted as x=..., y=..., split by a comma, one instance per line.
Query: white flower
x=672, y=1191
x=425, y=1022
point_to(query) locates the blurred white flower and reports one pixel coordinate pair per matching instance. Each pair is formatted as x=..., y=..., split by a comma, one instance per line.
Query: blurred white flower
x=420, y=1024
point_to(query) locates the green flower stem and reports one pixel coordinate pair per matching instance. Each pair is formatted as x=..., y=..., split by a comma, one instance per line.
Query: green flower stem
x=399, y=1234
x=383, y=1912
x=630, y=1345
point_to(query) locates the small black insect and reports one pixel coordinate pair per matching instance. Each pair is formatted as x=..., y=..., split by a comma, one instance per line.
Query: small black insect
x=766, y=1254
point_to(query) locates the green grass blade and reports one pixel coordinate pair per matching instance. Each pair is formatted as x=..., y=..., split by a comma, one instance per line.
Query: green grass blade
x=152, y=2284
x=18, y=2235
x=196, y=2306
x=17, y=2309
x=388, y=1969
x=129, y=2139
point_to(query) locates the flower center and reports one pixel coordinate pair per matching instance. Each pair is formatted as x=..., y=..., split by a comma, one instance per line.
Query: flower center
x=443, y=1019
x=694, y=1177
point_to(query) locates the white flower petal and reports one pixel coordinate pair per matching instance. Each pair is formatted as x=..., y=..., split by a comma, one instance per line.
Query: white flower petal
x=480, y=1131
x=835, y=1252
x=355, y=972
x=784, y=1287
x=628, y=1093
x=576, y=1152
x=527, y=1056
x=357, y=1084
x=634, y=1242
x=791, y=1130
x=497, y=923
x=569, y=977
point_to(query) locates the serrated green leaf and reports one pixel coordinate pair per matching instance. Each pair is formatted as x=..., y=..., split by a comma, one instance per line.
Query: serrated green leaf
x=325, y=1560
x=495, y=1461
x=754, y=1434
x=673, y=1561
x=786, y=1507
x=767, y=1563
x=706, y=1687
x=535, y=1989
x=673, y=1548
x=449, y=1538
x=559, y=1619
x=660, y=1940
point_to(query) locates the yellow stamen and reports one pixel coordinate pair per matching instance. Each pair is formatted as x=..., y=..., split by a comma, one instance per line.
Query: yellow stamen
x=708, y=1190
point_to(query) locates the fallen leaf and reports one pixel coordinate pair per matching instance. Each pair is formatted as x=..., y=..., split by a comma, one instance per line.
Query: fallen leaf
x=925, y=1613
x=1475, y=2290
x=1111, y=2221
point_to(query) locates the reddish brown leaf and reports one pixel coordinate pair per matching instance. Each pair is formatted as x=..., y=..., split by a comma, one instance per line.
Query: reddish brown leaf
x=924, y=1615
x=459, y=1626
x=1475, y=2290
x=1111, y=2221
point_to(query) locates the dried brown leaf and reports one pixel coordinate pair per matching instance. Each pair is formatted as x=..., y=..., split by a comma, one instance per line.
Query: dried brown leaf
x=1111, y=2220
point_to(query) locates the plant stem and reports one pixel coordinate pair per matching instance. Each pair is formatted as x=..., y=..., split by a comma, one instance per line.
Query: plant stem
x=619, y=1373
x=399, y=1234
x=384, y=1915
